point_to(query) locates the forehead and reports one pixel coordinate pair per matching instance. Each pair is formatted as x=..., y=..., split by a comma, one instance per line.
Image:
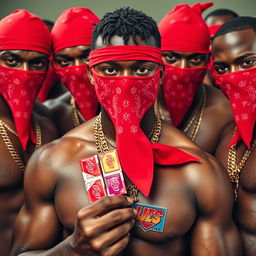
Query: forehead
x=234, y=43
x=118, y=40
x=184, y=54
x=75, y=50
x=24, y=53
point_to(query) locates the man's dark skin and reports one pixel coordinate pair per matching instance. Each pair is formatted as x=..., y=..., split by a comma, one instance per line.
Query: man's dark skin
x=11, y=176
x=69, y=225
x=217, y=112
x=232, y=52
x=60, y=107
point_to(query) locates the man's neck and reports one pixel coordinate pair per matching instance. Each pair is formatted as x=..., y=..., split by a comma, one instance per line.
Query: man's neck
x=147, y=124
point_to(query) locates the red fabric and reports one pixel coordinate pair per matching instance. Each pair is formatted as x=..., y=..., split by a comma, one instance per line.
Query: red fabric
x=213, y=29
x=180, y=86
x=126, y=100
x=183, y=29
x=22, y=30
x=240, y=88
x=127, y=52
x=73, y=27
x=19, y=89
x=50, y=80
x=76, y=80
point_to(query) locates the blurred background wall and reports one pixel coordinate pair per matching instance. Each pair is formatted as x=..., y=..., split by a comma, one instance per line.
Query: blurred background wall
x=51, y=9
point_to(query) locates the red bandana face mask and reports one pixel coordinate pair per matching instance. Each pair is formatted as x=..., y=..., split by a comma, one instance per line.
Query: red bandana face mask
x=19, y=89
x=180, y=86
x=126, y=100
x=76, y=80
x=240, y=88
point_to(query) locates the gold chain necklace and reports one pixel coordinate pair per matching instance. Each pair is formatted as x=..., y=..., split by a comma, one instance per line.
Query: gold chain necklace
x=234, y=169
x=75, y=113
x=102, y=146
x=197, y=116
x=9, y=145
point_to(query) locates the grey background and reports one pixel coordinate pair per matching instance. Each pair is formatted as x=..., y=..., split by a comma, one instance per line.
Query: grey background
x=51, y=9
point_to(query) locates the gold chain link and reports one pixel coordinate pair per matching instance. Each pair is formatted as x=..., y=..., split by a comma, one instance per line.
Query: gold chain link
x=102, y=146
x=9, y=145
x=234, y=170
x=197, y=116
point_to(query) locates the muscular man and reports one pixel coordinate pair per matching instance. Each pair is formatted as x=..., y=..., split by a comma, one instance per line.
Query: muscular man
x=23, y=66
x=71, y=37
x=199, y=110
x=190, y=190
x=234, y=53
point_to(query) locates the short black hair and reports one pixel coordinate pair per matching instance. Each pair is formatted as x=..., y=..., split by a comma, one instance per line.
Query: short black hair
x=126, y=22
x=236, y=24
x=221, y=12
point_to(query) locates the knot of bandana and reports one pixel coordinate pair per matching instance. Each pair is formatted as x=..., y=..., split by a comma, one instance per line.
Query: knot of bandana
x=240, y=89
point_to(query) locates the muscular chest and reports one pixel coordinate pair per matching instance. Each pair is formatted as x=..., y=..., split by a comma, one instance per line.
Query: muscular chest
x=168, y=213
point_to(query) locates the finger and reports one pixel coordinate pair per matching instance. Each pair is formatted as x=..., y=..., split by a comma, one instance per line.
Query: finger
x=105, y=204
x=117, y=247
x=110, y=237
x=94, y=227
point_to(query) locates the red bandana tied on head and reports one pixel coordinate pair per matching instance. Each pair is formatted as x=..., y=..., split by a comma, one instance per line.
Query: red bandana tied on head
x=76, y=80
x=180, y=86
x=240, y=88
x=183, y=29
x=22, y=30
x=73, y=28
x=126, y=100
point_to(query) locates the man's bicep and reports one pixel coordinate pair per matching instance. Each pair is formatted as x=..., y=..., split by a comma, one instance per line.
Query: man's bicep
x=37, y=225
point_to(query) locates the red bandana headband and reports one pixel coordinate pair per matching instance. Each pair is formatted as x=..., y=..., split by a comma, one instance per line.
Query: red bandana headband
x=125, y=52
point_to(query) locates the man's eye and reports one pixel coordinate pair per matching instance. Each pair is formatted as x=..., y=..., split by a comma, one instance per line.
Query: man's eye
x=63, y=62
x=143, y=70
x=39, y=64
x=109, y=70
x=248, y=63
x=11, y=62
x=221, y=69
x=196, y=59
x=170, y=58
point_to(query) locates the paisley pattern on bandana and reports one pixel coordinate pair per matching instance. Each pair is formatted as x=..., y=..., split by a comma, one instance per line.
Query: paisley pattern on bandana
x=180, y=86
x=240, y=89
x=76, y=80
x=126, y=100
x=19, y=89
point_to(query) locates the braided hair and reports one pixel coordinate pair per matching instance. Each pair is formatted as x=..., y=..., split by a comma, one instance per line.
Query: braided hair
x=127, y=23
x=237, y=24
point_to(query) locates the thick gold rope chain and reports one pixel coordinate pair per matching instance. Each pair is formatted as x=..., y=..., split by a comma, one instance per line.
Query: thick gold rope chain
x=102, y=145
x=9, y=145
x=234, y=169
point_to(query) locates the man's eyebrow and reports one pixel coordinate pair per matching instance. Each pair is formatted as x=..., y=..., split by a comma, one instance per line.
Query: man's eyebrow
x=198, y=54
x=62, y=55
x=86, y=51
x=9, y=53
x=41, y=58
x=244, y=56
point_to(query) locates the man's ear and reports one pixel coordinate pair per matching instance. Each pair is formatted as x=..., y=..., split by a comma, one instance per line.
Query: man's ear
x=89, y=73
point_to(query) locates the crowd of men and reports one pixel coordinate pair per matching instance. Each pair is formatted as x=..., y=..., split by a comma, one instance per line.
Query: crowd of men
x=176, y=100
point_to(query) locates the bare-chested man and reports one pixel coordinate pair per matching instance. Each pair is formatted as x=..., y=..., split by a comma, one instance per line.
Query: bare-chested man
x=234, y=53
x=71, y=37
x=199, y=110
x=189, y=187
x=23, y=66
